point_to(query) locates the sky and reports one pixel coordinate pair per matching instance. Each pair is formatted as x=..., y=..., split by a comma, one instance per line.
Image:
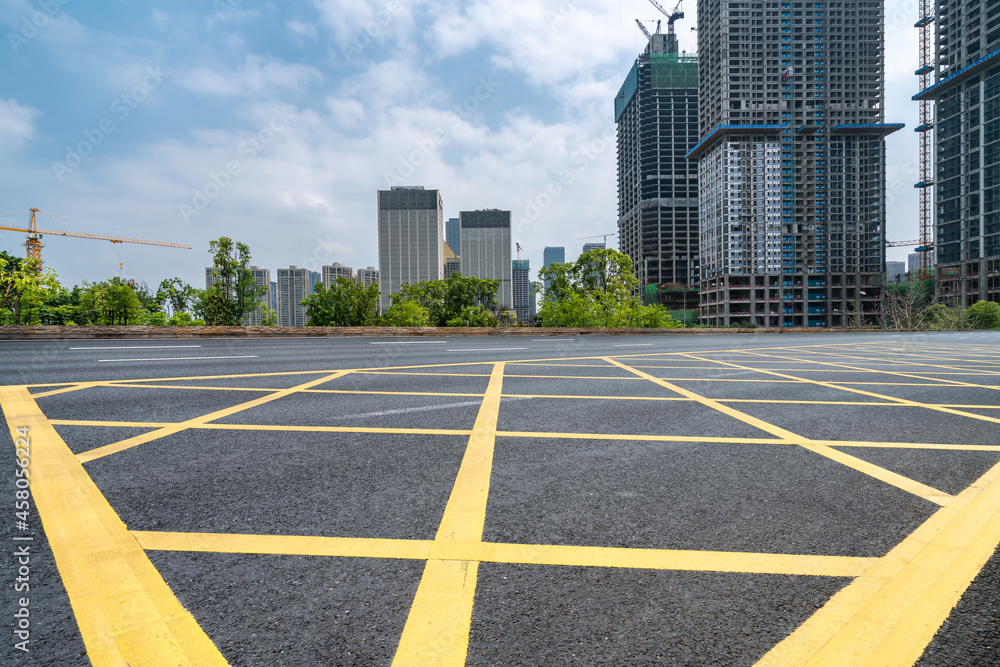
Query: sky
x=276, y=123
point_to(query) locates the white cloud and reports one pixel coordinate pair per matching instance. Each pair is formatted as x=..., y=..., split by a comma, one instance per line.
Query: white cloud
x=258, y=75
x=17, y=124
x=301, y=32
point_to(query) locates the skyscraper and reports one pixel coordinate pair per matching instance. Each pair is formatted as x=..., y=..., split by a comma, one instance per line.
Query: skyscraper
x=410, y=238
x=294, y=285
x=656, y=110
x=791, y=161
x=966, y=175
x=587, y=247
x=895, y=271
x=367, y=276
x=452, y=262
x=334, y=271
x=263, y=279
x=486, y=250
x=553, y=255
x=522, y=296
x=453, y=234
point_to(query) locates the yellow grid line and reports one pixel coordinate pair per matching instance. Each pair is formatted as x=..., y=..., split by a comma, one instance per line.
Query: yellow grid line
x=899, y=481
x=453, y=556
x=493, y=552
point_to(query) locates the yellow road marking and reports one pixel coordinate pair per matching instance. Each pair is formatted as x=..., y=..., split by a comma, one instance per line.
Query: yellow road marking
x=889, y=614
x=492, y=552
x=125, y=611
x=437, y=628
x=66, y=390
x=879, y=473
x=541, y=434
x=116, y=447
x=899, y=481
x=715, y=405
x=901, y=401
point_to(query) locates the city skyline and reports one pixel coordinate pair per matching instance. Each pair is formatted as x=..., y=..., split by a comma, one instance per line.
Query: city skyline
x=235, y=115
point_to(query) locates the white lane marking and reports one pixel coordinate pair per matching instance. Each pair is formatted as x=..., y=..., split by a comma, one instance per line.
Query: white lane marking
x=425, y=408
x=137, y=347
x=636, y=345
x=487, y=349
x=245, y=356
x=412, y=342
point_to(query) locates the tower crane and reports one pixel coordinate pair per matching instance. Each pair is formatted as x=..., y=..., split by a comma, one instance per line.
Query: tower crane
x=900, y=244
x=676, y=13
x=643, y=28
x=33, y=245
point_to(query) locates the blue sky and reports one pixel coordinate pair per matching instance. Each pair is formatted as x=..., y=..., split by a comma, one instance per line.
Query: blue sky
x=275, y=123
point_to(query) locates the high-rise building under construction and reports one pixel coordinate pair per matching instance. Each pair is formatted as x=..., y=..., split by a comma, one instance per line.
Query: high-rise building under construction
x=656, y=110
x=964, y=86
x=791, y=162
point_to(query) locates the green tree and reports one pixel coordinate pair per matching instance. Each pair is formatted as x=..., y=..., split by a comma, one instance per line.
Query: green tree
x=598, y=290
x=406, y=313
x=984, y=315
x=448, y=299
x=24, y=288
x=235, y=294
x=345, y=304
x=175, y=294
x=474, y=316
x=113, y=302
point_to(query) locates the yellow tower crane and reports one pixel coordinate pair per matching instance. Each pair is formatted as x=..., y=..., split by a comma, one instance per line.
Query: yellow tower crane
x=33, y=246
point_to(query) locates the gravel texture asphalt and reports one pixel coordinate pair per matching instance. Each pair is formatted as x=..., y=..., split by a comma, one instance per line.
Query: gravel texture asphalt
x=366, y=481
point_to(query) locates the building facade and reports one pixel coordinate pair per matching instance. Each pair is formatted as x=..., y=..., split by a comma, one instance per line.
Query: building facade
x=656, y=111
x=410, y=238
x=553, y=255
x=452, y=262
x=895, y=271
x=791, y=162
x=587, y=247
x=294, y=285
x=523, y=298
x=486, y=250
x=367, y=276
x=966, y=174
x=453, y=234
x=330, y=273
x=263, y=279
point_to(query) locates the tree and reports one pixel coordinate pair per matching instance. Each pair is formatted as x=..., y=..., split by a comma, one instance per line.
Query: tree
x=474, y=316
x=175, y=294
x=598, y=290
x=24, y=288
x=345, y=304
x=906, y=303
x=984, y=315
x=448, y=299
x=235, y=294
x=113, y=302
x=406, y=313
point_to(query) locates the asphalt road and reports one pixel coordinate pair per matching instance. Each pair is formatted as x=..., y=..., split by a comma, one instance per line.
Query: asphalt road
x=645, y=500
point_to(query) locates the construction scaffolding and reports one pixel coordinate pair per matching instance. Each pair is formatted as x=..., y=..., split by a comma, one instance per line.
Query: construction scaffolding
x=926, y=155
x=674, y=70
